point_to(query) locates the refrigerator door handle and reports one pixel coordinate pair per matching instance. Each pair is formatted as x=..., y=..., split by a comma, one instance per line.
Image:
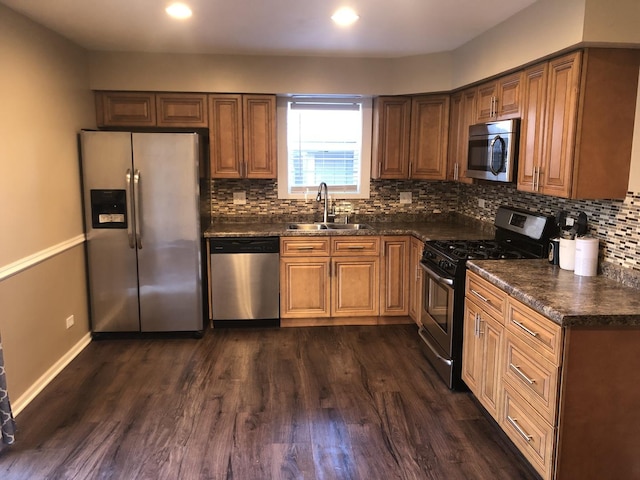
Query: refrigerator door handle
x=129, y=212
x=136, y=206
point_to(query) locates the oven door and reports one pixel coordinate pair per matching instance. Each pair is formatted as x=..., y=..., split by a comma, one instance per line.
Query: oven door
x=436, y=311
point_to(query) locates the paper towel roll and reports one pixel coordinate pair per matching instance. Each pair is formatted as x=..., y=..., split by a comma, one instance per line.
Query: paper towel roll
x=586, y=260
x=567, y=253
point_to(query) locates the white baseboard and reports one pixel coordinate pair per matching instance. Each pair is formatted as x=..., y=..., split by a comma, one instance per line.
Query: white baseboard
x=18, y=405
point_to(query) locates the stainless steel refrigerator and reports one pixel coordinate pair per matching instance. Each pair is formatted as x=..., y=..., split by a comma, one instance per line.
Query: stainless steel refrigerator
x=141, y=197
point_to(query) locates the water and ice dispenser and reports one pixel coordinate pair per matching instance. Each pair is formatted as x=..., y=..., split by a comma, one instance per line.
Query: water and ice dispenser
x=108, y=209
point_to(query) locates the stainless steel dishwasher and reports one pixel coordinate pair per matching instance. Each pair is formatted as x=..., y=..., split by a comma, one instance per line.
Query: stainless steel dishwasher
x=245, y=279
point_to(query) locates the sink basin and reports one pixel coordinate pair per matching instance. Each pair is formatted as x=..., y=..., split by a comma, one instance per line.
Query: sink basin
x=307, y=226
x=348, y=226
x=328, y=226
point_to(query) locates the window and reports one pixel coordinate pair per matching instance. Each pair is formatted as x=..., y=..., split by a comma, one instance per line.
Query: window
x=327, y=140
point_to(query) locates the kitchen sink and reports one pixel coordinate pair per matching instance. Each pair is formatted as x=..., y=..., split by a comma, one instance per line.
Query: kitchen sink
x=328, y=226
x=307, y=226
x=348, y=226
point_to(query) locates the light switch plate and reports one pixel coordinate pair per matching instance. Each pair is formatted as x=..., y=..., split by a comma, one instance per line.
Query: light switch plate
x=239, y=198
x=405, y=197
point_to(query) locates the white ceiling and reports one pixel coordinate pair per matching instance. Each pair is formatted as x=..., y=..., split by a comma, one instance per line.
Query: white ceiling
x=387, y=28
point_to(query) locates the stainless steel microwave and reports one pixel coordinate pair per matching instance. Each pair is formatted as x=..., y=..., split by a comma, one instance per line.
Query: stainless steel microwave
x=493, y=150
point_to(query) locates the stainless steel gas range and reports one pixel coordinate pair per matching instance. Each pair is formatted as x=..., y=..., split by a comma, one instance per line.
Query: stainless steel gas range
x=519, y=234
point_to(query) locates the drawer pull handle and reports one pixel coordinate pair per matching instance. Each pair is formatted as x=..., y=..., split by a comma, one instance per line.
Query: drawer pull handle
x=524, y=434
x=522, y=374
x=480, y=296
x=304, y=248
x=530, y=332
x=355, y=247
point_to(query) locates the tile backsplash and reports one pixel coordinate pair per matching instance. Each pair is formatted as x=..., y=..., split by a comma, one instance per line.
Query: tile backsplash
x=615, y=222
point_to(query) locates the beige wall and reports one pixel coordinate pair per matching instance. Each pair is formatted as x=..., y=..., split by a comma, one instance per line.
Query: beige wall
x=45, y=100
x=616, y=21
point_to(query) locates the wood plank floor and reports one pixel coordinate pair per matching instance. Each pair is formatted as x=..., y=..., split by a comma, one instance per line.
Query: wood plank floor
x=243, y=404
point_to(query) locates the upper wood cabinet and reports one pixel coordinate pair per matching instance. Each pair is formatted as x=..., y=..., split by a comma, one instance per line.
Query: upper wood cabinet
x=410, y=137
x=499, y=99
x=577, y=124
x=429, y=135
x=146, y=109
x=462, y=114
x=242, y=136
x=391, y=128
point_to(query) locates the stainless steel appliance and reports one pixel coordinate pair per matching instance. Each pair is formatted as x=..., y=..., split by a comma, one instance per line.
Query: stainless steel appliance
x=519, y=234
x=141, y=197
x=245, y=279
x=493, y=150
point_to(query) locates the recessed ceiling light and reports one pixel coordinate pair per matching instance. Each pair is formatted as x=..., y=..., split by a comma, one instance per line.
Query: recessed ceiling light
x=178, y=10
x=345, y=16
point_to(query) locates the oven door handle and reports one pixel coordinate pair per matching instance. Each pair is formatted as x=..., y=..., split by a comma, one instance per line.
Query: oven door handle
x=435, y=276
x=426, y=341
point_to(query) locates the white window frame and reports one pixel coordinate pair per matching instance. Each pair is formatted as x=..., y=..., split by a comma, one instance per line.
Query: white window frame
x=365, y=154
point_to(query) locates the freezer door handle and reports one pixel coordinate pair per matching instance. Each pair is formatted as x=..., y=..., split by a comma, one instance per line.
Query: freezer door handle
x=136, y=206
x=128, y=197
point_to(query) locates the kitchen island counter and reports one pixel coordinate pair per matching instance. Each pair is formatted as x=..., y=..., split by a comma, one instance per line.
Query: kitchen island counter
x=567, y=299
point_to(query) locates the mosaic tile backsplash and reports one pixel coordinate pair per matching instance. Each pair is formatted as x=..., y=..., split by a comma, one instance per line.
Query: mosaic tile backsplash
x=615, y=222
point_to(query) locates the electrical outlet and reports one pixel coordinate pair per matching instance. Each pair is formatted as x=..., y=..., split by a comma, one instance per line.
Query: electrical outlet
x=239, y=198
x=70, y=321
x=405, y=197
x=481, y=202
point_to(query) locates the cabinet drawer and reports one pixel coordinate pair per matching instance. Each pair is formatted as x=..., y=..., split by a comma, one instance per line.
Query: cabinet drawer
x=306, y=247
x=532, y=376
x=533, y=436
x=491, y=298
x=535, y=330
x=355, y=246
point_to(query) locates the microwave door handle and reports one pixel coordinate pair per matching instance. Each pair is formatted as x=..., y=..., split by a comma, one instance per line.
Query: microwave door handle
x=492, y=147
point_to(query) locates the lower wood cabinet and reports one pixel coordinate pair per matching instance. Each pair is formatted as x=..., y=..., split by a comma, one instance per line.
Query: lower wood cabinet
x=563, y=395
x=324, y=277
x=395, y=286
x=415, y=278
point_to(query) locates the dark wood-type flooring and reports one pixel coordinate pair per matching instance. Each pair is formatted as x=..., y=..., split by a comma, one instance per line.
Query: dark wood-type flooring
x=245, y=404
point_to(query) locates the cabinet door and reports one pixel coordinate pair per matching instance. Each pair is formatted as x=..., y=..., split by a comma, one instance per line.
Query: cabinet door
x=560, y=125
x=415, y=278
x=508, y=97
x=125, y=109
x=355, y=286
x=391, y=129
x=225, y=135
x=534, y=89
x=259, y=122
x=304, y=287
x=486, y=97
x=462, y=115
x=491, y=333
x=471, y=348
x=429, y=137
x=182, y=110
x=395, y=276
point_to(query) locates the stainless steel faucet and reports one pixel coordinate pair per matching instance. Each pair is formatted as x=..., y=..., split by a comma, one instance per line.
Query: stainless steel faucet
x=325, y=215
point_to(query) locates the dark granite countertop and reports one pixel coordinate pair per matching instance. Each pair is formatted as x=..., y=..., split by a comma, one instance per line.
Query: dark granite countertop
x=569, y=300
x=430, y=228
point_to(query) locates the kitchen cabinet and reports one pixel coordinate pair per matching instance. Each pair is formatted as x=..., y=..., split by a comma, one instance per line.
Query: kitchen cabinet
x=499, y=99
x=325, y=277
x=415, y=278
x=391, y=130
x=395, y=284
x=482, y=342
x=147, y=109
x=410, y=137
x=565, y=399
x=242, y=136
x=577, y=124
x=462, y=114
x=304, y=277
